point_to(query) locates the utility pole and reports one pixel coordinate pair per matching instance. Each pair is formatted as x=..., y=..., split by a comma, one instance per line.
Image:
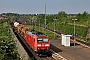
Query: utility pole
x=45, y=18
x=54, y=27
x=32, y=24
x=39, y=24
x=74, y=32
x=35, y=21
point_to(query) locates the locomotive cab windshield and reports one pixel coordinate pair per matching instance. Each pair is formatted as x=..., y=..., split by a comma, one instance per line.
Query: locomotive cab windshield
x=42, y=40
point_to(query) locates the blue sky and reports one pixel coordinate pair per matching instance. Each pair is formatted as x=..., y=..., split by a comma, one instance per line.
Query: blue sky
x=38, y=6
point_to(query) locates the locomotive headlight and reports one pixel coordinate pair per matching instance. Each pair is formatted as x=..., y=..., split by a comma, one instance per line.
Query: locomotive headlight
x=39, y=44
x=46, y=44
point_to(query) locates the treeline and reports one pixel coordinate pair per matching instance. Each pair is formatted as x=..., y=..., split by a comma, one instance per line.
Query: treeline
x=82, y=18
x=62, y=16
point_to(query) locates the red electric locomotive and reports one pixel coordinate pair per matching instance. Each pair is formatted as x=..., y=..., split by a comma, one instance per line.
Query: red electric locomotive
x=39, y=42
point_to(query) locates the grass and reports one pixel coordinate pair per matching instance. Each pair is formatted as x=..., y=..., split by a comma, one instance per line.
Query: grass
x=51, y=35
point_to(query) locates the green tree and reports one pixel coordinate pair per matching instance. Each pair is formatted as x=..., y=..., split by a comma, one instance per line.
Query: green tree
x=62, y=14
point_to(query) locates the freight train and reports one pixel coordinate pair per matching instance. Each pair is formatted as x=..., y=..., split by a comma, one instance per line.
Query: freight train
x=38, y=41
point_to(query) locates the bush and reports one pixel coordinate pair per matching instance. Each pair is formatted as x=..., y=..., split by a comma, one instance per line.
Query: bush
x=8, y=49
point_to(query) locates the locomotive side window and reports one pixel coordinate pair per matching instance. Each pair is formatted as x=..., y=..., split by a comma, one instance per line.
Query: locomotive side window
x=42, y=40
